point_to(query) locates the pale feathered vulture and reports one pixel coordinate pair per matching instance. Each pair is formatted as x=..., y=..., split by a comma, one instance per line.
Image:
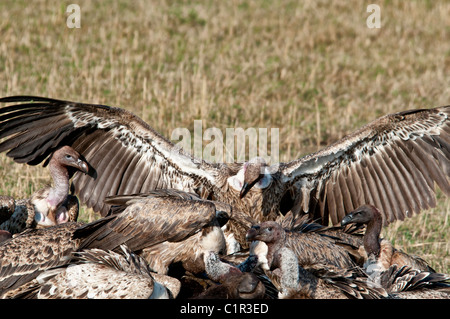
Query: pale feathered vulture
x=99, y=274
x=379, y=252
x=393, y=162
x=26, y=255
x=51, y=204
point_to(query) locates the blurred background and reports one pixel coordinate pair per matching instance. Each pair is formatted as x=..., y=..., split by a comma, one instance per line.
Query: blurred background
x=313, y=69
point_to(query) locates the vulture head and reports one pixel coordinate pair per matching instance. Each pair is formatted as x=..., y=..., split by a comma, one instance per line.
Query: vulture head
x=66, y=156
x=255, y=174
x=368, y=215
x=362, y=215
x=269, y=232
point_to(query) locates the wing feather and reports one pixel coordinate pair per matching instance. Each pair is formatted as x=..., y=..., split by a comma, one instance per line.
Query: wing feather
x=393, y=162
x=112, y=140
x=148, y=220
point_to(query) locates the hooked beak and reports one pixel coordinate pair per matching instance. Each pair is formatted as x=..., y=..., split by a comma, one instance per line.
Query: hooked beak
x=347, y=219
x=244, y=190
x=252, y=233
x=82, y=165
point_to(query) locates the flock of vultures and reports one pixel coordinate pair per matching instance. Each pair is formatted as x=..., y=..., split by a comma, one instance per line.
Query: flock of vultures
x=175, y=226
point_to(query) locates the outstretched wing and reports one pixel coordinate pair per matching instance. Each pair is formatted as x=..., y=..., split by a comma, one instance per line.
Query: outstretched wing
x=125, y=154
x=393, y=163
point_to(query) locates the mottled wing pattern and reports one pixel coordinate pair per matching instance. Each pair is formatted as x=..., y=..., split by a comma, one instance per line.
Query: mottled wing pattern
x=312, y=248
x=401, y=279
x=353, y=284
x=392, y=163
x=26, y=255
x=94, y=281
x=125, y=155
x=147, y=221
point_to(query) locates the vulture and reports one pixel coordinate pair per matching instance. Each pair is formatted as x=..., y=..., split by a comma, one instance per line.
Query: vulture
x=99, y=274
x=311, y=248
x=407, y=283
x=394, y=162
x=163, y=226
x=26, y=255
x=295, y=282
x=50, y=205
x=379, y=253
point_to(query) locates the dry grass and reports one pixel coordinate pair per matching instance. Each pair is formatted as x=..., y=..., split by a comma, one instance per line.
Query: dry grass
x=311, y=68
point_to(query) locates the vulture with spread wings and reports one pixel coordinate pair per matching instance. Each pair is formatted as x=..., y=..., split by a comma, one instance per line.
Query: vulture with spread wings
x=393, y=162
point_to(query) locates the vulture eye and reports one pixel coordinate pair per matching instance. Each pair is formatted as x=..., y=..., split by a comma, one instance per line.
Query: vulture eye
x=68, y=156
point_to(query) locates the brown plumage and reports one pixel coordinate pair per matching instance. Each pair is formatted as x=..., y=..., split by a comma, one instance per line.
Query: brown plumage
x=310, y=247
x=99, y=274
x=407, y=283
x=26, y=255
x=4, y=235
x=393, y=162
x=49, y=205
x=254, y=260
x=378, y=252
x=163, y=226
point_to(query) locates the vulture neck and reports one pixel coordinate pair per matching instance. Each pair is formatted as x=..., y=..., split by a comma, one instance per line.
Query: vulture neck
x=294, y=279
x=372, y=235
x=274, y=249
x=58, y=193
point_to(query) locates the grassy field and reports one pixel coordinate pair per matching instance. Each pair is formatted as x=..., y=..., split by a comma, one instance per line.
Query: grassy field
x=313, y=69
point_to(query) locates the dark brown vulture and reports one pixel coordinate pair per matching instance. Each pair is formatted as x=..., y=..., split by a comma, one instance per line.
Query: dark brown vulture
x=378, y=252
